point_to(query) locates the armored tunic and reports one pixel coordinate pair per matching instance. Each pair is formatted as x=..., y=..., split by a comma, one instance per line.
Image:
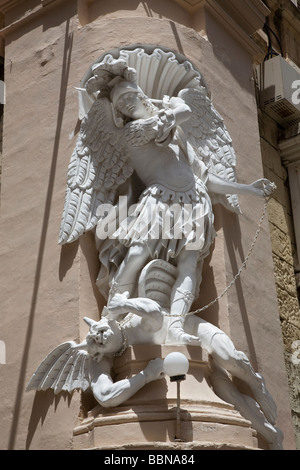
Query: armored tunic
x=167, y=219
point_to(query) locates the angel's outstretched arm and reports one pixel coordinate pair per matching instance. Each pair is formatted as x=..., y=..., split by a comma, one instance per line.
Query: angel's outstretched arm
x=262, y=187
x=110, y=394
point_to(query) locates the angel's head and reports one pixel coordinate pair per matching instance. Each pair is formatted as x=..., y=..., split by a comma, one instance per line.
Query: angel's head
x=130, y=101
x=104, y=338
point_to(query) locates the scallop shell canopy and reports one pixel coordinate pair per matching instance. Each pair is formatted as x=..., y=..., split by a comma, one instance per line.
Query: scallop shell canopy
x=158, y=72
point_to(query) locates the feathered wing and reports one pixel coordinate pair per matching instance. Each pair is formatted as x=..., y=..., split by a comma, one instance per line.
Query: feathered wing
x=66, y=368
x=207, y=134
x=98, y=167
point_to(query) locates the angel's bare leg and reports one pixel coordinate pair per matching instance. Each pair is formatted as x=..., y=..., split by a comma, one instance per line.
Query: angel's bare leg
x=126, y=277
x=182, y=296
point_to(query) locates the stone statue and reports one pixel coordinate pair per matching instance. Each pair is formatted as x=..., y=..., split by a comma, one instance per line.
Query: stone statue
x=181, y=153
x=89, y=365
x=144, y=176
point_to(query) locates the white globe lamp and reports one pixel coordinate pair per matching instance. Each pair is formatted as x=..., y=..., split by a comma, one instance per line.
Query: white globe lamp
x=176, y=366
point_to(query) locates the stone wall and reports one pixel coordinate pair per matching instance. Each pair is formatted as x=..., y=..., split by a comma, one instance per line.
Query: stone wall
x=283, y=247
x=284, y=23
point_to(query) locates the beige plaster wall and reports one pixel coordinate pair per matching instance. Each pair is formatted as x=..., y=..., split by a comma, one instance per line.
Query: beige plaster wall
x=45, y=290
x=39, y=293
x=285, y=23
x=252, y=303
x=168, y=10
x=283, y=249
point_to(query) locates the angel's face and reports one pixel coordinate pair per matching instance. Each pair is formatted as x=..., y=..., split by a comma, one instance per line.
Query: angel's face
x=131, y=105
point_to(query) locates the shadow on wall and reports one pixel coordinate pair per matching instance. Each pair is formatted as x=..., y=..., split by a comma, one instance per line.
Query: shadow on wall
x=42, y=16
x=232, y=234
x=89, y=250
x=43, y=401
x=63, y=88
x=91, y=11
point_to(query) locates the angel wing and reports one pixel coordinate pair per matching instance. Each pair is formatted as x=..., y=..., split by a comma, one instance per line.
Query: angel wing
x=66, y=368
x=207, y=134
x=98, y=167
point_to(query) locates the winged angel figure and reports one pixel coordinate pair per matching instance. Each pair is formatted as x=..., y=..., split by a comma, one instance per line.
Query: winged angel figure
x=170, y=160
x=179, y=150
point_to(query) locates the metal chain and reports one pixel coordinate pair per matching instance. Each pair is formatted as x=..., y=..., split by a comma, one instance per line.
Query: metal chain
x=127, y=319
x=242, y=266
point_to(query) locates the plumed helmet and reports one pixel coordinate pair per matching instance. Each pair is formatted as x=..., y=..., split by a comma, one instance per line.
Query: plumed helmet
x=120, y=87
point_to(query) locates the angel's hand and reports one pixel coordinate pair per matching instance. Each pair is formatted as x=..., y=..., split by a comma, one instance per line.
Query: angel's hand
x=263, y=187
x=175, y=102
x=118, y=305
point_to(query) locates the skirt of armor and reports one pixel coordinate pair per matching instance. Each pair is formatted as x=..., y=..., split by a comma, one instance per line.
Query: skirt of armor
x=168, y=221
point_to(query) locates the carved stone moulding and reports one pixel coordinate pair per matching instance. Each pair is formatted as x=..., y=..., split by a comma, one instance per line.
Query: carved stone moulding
x=148, y=420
